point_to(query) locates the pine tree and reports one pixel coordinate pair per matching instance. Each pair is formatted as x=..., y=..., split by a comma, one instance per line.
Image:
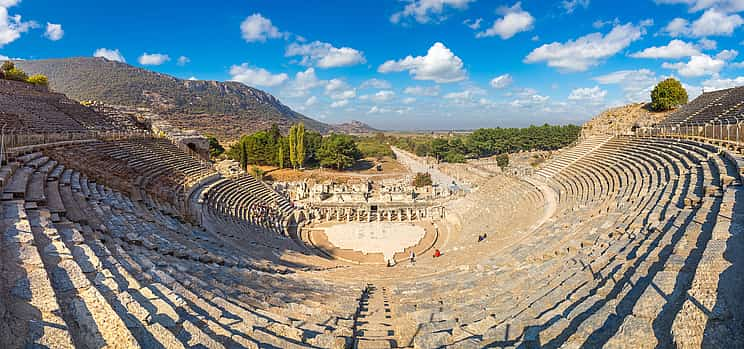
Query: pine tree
x=292, y=149
x=300, y=147
x=244, y=155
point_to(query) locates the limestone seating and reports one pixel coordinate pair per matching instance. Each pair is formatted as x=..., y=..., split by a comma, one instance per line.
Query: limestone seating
x=657, y=254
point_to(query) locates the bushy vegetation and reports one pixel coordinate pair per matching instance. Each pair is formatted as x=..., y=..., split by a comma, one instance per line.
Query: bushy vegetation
x=487, y=142
x=422, y=180
x=9, y=71
x=502, y=160
x=374, y=147
x=300, y=148
x=667, y=95
x=215, y=148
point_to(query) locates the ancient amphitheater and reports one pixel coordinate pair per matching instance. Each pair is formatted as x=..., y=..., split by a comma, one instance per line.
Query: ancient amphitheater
x=113, y=237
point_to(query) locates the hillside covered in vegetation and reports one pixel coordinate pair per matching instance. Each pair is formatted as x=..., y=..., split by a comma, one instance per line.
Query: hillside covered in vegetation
x=199, y=105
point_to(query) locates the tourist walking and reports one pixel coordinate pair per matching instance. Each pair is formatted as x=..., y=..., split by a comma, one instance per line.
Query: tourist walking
x=413, y=257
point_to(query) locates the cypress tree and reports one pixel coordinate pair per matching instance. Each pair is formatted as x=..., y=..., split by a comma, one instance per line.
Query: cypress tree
x=300, y=148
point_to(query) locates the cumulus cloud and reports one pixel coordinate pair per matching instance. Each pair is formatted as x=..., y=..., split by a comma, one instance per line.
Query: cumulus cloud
x=570, y=5
x=636, y=84
x=54, y=32
x=253, y=76
x=698, y=5
x=422, y=91
x=383, y=96
x=707, y=44
x=699, y=65
x=339, y=104
x=111, y=55
x=502, y=81
x=424, y=11
x=11, y=27
x=588, y=50
x=376, y=83
x=727, y=55
x=720, y=83
x=324, y=55
x=153, y=58
x=303, y=82
x=257, y=28
x=183, y=60
x=592, y=95
x=713, y=22
x=311, y=101
x=675, y=49
x=514, y=20
x=338, y=89
x=409, y=100
x=439, y=65
x=529, y=99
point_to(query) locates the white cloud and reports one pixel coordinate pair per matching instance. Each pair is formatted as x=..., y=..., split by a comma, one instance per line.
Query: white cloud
x=474, y=24
x=377, y=110
x=720, y=84
x=439, y=65
x=183, y=60
x=257, y=28
x=409, y=100
x=592, y=95
x=501, y=81
x=383, y=96
x=571, y=5
x=529, y=99
x=153, y=59
x=339, y=104
x=256, y=76
x=636, y=84
x=338, y=89
x=699, y=65
x=11, y=27
x=54, y=32
x=311, y=101
x=376, y=83
x=698, y=5
x=712, y=22
x=675, y=49
x=111, y=55
x=586, y=51
x=514, y=20
x=324, y=55
x=423, y=11
x=677, y=27
x=303, y=82
x=727, y=55
x=707, y=44
x=193, y=78
x=422, y=91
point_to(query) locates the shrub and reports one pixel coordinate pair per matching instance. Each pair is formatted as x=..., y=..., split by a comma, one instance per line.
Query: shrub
x=16, y=74
x=668, y=95
x=422, y=180
x=38, y=79
x=502, y=160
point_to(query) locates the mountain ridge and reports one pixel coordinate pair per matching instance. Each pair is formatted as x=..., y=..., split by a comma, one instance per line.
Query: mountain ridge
x=224, y=109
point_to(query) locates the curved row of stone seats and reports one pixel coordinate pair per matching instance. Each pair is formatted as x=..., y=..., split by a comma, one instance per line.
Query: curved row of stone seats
x=572, y=155
x=701, y=109
x=103, y=270
x=594, y=275
x=480, y=214
x=29, y=108
x=248, y=200
x=152, y=167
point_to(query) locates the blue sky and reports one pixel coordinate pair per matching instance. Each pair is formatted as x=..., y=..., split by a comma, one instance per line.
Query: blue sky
x=411, y=64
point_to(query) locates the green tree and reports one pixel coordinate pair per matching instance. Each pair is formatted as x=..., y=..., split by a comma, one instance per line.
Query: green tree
x=292, y=146
x=38, y=79
x=7, y=66
x=300, y=146
x=667, y=95
x=422, y=180
x=502, y=160
x=280, y=152
x=215, y=148
x=338, y=151
x=257, y=173
x=244, y=155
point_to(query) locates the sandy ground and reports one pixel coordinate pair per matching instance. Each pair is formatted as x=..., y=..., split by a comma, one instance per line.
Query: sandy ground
x=377, y=237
